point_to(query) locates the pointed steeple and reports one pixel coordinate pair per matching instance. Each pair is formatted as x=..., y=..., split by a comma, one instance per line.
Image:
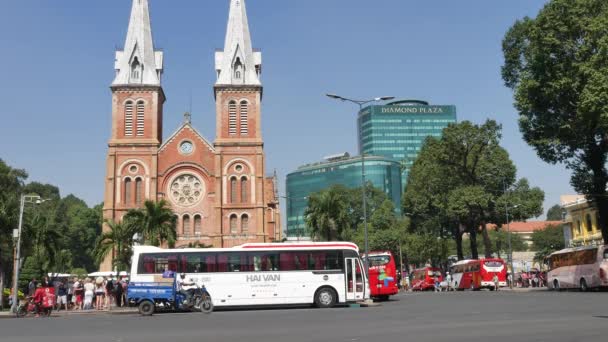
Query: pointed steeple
x=238, y=64
x=139, y=63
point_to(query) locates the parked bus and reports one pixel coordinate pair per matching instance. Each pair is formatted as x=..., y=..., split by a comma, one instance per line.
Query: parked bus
x=423, y=279
x=478, y=274
x=382, y=274
x=583, y=268
x=263, y=274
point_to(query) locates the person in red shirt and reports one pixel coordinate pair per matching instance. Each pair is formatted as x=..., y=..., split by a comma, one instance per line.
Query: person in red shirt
x=38, y=297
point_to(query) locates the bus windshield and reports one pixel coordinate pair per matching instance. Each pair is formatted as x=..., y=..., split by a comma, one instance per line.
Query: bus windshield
x=379, y=260
x=493, y=263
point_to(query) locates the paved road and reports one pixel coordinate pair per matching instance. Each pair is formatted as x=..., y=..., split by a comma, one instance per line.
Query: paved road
x=453, y=317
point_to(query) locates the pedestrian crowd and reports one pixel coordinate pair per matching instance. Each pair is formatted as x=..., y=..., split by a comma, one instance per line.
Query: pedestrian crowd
x=101, y=293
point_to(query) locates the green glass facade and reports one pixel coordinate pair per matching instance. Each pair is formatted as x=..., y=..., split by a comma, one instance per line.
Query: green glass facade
x=398, y=130
x=383, y=173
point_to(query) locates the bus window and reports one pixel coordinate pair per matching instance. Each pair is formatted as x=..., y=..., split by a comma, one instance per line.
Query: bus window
x=156, y=263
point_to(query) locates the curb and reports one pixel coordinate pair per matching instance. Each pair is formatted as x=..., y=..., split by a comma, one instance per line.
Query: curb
x=6, y=314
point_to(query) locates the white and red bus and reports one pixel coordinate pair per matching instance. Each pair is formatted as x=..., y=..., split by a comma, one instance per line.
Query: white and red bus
x=583, y=268
x=382, y=274
x=478, y=274
x=254, y=274
x=423, y=279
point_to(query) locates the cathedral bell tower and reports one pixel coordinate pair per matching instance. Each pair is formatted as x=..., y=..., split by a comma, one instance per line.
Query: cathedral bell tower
x=137, y=112
x=238, y=96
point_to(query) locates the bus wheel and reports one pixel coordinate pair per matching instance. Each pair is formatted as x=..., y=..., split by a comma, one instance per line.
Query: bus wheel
x=556, y=285
x=325, y=298
x=146, y=308
x=583, y=286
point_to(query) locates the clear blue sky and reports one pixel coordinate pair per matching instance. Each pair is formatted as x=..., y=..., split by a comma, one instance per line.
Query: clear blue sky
x=57, y=61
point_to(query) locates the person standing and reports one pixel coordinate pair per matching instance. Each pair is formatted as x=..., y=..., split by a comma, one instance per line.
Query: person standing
x=31, y=287
x=109, y=292
x=496, y=283
x=118, y=292
x=448, y=280
x=89, y=292
x=62, y=296
x=99, y=293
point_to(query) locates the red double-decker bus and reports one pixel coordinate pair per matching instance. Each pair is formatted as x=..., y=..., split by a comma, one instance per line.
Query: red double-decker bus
x=478, y=274
x=423, y=279
x=382, y=274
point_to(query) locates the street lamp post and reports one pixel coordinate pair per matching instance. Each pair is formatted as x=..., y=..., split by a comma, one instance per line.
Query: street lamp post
x=361, y=103
x=509, y=243
x=17, y=248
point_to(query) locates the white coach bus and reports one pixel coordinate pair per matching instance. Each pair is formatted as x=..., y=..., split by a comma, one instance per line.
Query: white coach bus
x=323, y=274
x=583, y=267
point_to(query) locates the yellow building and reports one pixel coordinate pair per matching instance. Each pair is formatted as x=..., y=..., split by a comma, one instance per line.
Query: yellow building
x=581, y=226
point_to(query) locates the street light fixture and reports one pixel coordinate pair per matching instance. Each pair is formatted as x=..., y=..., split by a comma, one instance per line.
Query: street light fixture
x=33, y=199
x=361, y=103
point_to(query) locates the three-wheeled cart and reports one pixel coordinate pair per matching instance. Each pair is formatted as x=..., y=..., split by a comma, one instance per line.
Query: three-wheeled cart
x=151, y=297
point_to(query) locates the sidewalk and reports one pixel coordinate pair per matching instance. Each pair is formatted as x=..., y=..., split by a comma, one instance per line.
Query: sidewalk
x=64, y=313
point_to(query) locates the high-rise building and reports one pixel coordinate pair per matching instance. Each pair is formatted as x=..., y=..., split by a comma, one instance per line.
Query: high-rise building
x=398, y=129
x=218, y=191
x=383, y=173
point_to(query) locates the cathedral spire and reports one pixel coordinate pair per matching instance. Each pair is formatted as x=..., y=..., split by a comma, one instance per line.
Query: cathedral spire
x=238, y=64
x=139, y=63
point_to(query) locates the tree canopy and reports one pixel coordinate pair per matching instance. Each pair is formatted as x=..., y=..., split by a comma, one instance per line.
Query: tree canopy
x=557, y=65
x=463, y=181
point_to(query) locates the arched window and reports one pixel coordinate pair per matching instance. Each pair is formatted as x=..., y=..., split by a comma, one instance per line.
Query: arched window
x=197, y=224
x=129, y=118
x=135, y=70
x=233, y=220
x=244, y=118
x=139, y=187
x=245, y=223
x=232, y=117
x=589, y=223
x=244, y=187
x=233, y=189
x=238, y=67
x=128, y=194
x=140, y=118
x=186, y=225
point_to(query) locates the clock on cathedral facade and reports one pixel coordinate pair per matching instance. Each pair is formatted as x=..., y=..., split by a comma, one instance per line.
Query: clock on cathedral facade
x=218, y=190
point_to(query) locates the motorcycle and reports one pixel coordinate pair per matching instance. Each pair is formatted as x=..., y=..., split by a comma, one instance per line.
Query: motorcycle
x=28, y=307
x=200, y=300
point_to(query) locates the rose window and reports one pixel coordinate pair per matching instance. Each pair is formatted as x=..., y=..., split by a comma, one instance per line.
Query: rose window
x=186, y=190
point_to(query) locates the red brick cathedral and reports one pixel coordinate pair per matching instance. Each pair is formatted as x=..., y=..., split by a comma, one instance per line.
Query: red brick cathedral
x=218, y=191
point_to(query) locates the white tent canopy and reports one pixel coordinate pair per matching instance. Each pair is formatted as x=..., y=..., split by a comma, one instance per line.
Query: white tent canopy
x=108, y=274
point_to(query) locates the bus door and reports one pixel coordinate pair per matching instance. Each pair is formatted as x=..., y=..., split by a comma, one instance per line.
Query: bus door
x=355, y=285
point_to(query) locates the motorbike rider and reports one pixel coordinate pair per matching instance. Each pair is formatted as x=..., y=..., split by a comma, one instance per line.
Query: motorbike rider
x=185, y=287
x=38, y=298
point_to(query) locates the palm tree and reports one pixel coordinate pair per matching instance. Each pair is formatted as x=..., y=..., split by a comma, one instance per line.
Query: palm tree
x=44, y=241
x=156, y=222
x=117, y=239
x=327, y=215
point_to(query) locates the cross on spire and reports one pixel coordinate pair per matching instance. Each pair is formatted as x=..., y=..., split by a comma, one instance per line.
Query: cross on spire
x=238, y=64
x=139, y=63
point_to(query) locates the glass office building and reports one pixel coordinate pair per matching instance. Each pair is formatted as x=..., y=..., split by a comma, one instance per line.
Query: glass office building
x=383, y=173
x=398, y=129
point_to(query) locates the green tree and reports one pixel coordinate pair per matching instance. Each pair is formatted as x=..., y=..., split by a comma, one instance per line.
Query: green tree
x=547, y=241
x=556, y=64
x=554, y=213
x=327, y=214
x=156, y=222
x=462, y=181
x=117, y=241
